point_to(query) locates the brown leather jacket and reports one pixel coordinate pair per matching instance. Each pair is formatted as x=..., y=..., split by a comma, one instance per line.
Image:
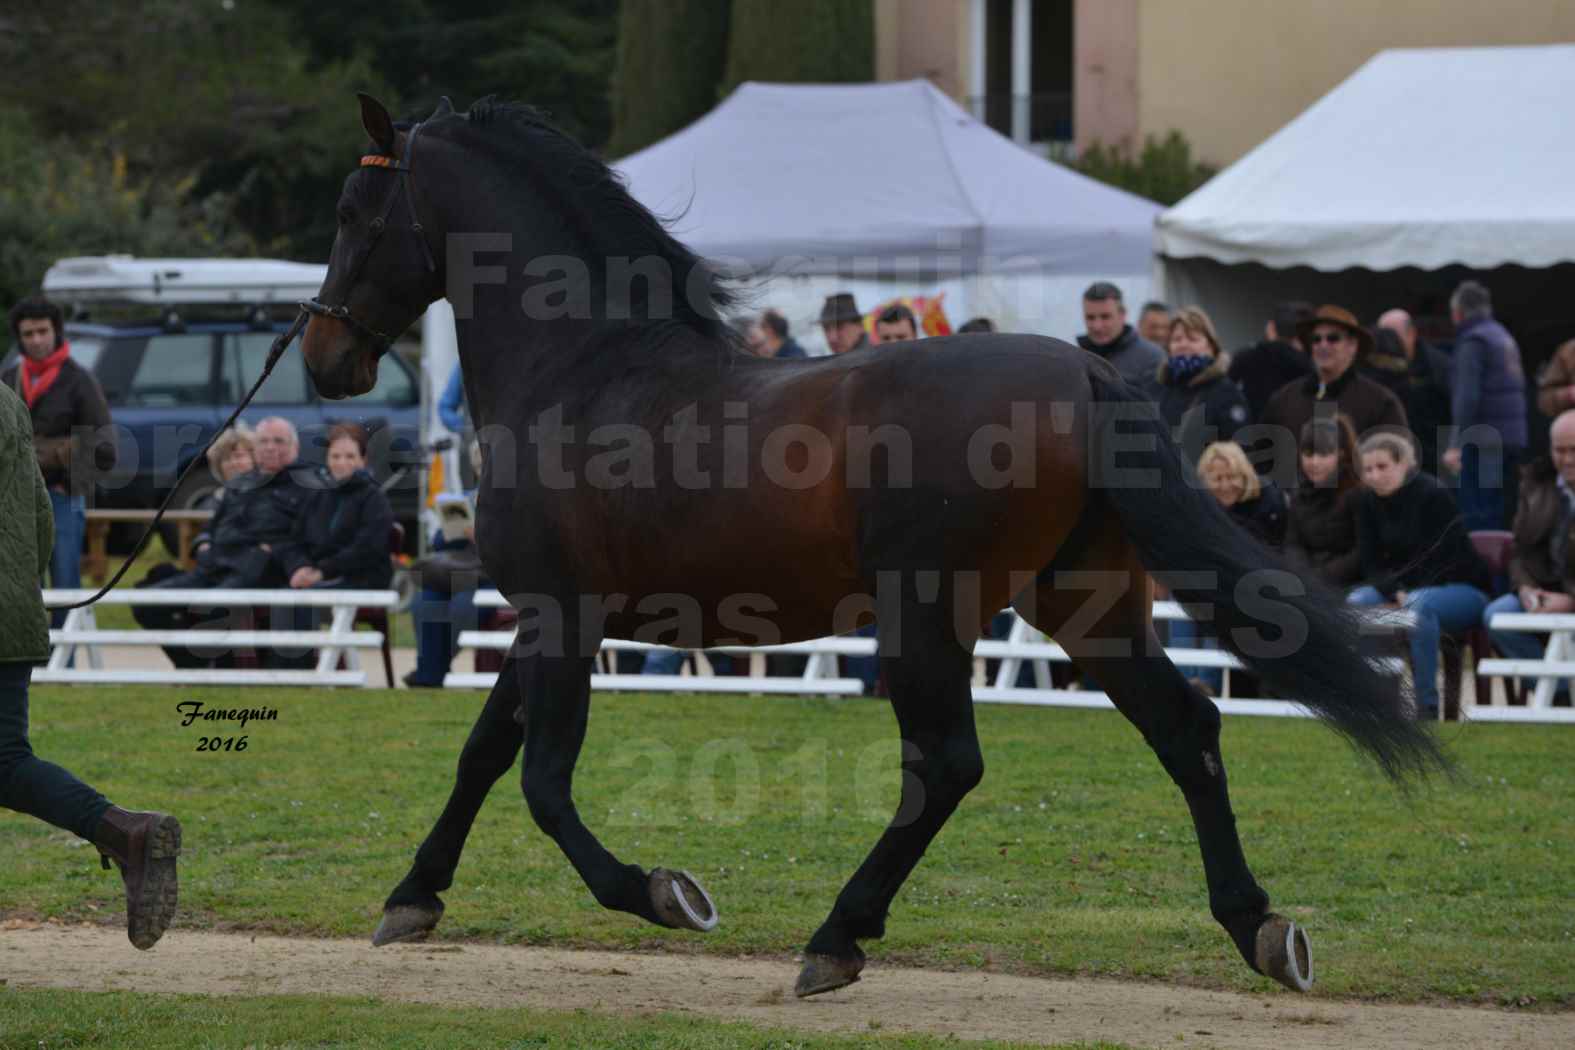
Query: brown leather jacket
x=1531, y=565
x=1556, y=382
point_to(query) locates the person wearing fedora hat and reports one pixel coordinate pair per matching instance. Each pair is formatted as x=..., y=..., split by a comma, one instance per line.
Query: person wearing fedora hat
x=1334, y=338
x=842, y=323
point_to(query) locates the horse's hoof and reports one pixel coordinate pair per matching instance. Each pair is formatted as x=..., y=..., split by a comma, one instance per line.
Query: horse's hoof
x=406, y=922
x=681, y=902
x=1284, y=954
x=827, y=973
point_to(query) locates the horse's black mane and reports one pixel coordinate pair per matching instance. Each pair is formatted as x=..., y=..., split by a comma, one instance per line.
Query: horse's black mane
x=593, y=200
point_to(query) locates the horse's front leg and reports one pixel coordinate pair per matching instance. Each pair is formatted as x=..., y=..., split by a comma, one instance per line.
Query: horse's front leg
x=557, y=701
x=414, y=908
x=941, y=763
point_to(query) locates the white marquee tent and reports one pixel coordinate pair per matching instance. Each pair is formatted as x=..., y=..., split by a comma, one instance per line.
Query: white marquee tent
x=891, y=188
x=1424, y=166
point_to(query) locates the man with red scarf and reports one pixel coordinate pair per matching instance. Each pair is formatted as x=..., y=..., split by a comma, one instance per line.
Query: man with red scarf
x=70, y=421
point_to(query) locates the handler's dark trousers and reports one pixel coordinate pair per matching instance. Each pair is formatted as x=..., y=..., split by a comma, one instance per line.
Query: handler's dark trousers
x=30, y=785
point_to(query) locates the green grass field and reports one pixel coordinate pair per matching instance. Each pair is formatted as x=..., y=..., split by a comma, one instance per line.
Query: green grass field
x=1075, y=856
x=35, y=1019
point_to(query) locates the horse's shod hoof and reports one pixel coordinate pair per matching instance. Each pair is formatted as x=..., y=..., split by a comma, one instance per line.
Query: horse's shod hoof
x=1284, y=953
x=406, y=923
x=827, y=973
x=681, y=902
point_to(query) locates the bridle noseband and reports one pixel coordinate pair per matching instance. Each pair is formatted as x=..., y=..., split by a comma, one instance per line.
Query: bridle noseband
x=342, y=312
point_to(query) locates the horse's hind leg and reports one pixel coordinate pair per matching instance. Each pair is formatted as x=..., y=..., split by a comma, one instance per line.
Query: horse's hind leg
x=1118, y=648
x=941, y=763
x=414, y=908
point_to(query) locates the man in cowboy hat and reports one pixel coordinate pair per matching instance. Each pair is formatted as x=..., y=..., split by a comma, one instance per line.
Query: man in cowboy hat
x=1334, y=339
x=842, y=323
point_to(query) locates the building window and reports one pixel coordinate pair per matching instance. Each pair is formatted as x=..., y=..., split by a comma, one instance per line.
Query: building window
x=1048, y=103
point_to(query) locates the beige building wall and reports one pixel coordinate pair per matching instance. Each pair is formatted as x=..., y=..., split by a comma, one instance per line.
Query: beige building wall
x=1229, y=73
x=923, y=38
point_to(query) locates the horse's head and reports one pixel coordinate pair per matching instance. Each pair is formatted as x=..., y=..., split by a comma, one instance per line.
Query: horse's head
x=382, y=272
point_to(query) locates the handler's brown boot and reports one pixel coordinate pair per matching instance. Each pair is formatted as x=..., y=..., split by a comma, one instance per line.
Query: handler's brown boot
x=145, y=846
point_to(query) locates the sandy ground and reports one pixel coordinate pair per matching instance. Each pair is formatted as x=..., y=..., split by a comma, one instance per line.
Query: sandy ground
x=759, y=991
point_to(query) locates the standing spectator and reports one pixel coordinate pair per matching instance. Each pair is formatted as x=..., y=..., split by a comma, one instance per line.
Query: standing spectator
x=896, y=324
x=1556, y=382
x=843, y=324
x=68, y=413
x=1416, y=373
x=1335, y=338
x=145, y=846
x=1415, y=553
x=1201, y=404
x=1154, y=322
x=1320, y=530
x=772, y=332
x=1540, y=569
x=1280, y=358
x=1488, y=439
x=340, y=540
x=977, y=326
x=1109, y=336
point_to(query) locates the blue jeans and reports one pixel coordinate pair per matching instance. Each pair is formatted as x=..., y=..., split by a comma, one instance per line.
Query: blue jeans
x=865, y=668
x=65, y=561
x=1517, y=645
x=671, y=661
x=1487, y=488
x=1186, y=634
x=30, y=785
x=438, y=619
x=1447, y=607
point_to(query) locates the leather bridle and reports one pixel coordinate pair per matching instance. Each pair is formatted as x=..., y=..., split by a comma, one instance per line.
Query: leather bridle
x=310, y=308
x=341, y=312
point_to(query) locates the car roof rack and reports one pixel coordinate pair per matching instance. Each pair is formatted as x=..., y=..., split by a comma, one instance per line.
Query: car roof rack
x=181, y=282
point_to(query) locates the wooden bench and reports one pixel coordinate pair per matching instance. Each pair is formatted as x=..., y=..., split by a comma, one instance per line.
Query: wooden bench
x=95, y=560
x=79, y=640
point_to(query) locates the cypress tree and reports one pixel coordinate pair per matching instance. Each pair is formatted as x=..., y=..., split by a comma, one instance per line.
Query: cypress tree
x=806, y=41
x=670, y=58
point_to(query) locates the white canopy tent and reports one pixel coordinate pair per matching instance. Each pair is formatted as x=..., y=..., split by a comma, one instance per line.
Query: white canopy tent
x=887, y=189
x=1424, y=166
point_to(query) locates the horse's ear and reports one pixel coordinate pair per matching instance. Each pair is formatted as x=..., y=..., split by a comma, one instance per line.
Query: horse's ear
x=375, y=119
x=444, y=108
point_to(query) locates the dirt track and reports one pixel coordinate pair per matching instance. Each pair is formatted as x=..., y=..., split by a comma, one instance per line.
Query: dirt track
x=968, y=1005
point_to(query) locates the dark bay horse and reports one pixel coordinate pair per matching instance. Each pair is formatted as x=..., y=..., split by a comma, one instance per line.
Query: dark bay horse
x=643, y=478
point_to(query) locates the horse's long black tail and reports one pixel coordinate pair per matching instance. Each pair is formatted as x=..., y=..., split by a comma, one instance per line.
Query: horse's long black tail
x=1297, y=635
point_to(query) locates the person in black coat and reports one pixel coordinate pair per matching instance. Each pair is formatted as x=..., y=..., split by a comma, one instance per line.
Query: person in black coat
x=1320, y=531
x=1262, y=369
x=1417, y=374
x=340, y=541
x=1415, y=553
x=1201, y=404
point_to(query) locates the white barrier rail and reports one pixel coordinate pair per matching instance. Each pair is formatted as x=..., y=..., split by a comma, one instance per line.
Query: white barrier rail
x=1558, y=661
x=79, y=638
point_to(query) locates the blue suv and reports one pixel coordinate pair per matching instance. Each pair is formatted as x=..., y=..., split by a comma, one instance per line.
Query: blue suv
x=169, y=388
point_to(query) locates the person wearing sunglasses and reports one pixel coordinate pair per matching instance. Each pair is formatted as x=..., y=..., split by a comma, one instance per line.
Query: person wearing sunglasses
x=1335, y=341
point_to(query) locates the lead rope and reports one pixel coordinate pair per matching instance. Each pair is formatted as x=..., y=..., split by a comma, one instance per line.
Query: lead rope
x=280, y=345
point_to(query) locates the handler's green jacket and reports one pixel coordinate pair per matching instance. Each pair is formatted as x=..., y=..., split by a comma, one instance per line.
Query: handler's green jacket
x=27, y=534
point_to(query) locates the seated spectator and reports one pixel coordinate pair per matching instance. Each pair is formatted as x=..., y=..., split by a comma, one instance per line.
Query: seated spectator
x=1201, y=404
x=1257, y=504
x=1259, y=507
x=1539, y=570
x=896, y=324
x=671, y=661
x=256, y=513
x=1320, y=529
x=340, y=540
x=1263, y=368
x=977, y=326
x=445, y=604
x=1556, y=381
x=1415, y=554
x=1154, y=322
x=1417, y=374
